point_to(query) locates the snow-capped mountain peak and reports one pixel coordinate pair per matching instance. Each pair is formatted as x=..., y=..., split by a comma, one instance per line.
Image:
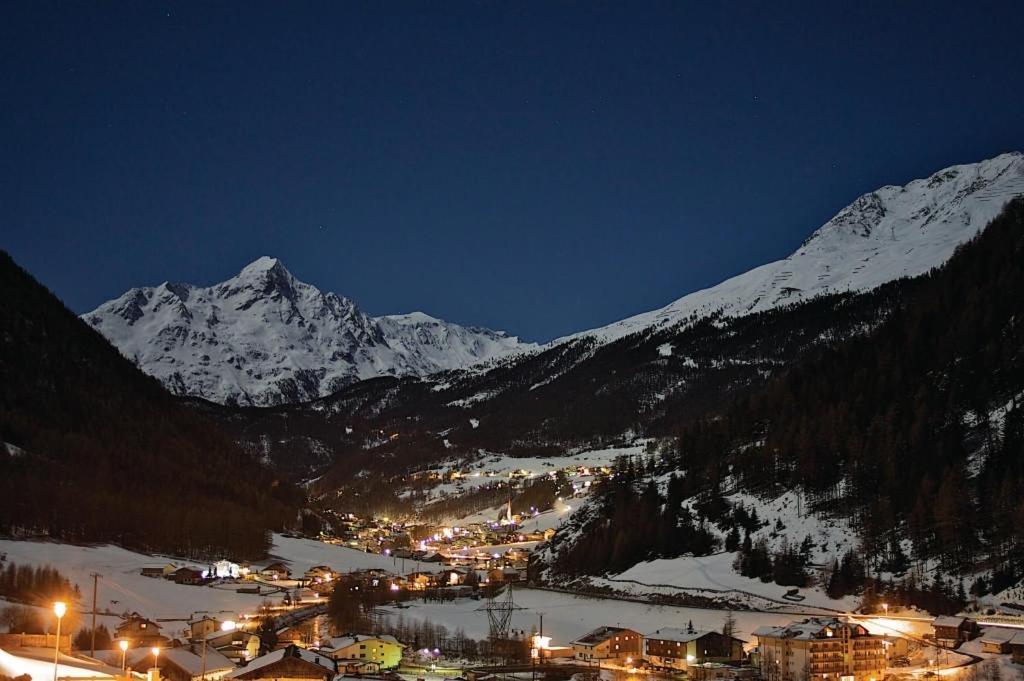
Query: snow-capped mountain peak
x=884, y=235
x=264, y=337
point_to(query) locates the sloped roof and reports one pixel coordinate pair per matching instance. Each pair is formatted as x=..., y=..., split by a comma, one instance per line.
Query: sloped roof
x=339, y=642
x=948, y=621
x=322, y=661
x=680, y=635
x=599, y=635
x=804, y=630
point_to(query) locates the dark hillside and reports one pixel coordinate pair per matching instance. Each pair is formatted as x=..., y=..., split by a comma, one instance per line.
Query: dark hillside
x=97, y=451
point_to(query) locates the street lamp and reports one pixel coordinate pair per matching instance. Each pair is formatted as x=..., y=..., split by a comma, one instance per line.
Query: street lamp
x=885, y=607
x=156, y=655
x=59, y=608
x=124, y=652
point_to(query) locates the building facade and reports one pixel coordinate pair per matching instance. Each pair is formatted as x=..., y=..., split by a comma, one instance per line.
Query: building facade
x=613, y=644
x=384, y=651
x=678, y=649
x=826, y=649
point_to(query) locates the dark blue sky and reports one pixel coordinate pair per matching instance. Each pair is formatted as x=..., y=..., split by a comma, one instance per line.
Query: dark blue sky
x=541, y=168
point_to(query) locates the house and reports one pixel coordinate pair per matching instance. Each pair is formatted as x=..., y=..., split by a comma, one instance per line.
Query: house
x=503, y=574
x=187, y=575
x=450, y=577
x=997, y=640
x=39, y=663
x=1017, y=647
x=275, y=571
x=419, y=580
x=182, y=663
x=672, y=648
x=202, y=628
x=319, y=573
x=820, y=648
x=951, y=630
x=384, y=651
x=139, y=631
x=240, y=647
x=287, y=664
x=608, y=643
x=158, y=570
x=225, y=569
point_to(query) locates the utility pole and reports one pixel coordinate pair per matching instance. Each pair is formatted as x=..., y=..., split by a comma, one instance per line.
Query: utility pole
x=95, y=582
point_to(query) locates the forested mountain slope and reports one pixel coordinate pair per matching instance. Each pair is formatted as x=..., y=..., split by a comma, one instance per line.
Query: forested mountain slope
x=913, y=433
x=94, y=450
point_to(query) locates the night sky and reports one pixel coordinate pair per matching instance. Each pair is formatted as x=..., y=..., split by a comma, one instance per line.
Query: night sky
x=541, y=168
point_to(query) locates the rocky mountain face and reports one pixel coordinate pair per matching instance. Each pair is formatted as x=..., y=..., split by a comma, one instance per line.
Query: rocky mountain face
x=647, y=375
x=265, y=338
x=887, y=234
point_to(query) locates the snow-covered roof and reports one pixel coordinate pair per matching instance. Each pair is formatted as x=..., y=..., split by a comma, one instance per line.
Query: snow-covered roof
x=948, y=621
x=814, y=627
x=997, y=635
x=677, y=635
x=341, y=642
x=322, y=661
x=39, y=663
x=599, y=635
x=187, y=658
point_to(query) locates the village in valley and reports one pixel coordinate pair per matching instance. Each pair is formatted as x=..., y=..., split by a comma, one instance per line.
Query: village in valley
x=391, y=599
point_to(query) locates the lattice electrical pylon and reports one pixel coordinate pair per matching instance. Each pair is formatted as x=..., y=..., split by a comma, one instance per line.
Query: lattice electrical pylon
x=499, y=614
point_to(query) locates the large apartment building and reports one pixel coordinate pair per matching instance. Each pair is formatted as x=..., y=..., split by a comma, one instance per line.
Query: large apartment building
x=820, y=649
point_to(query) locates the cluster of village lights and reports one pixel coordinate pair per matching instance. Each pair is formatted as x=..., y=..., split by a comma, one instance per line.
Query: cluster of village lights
x=60, y=608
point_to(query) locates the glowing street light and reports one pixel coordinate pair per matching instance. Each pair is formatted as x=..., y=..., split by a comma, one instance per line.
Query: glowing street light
x=124, y=652
x=156, y=655
x=59, y=609
x=885, y=607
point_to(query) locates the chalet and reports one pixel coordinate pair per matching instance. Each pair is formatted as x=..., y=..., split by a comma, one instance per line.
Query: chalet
x=419, y=580
x=1017, y=647
x=451, y=577
x=319, y=573
x=671, y=648
x=275, y=571
x=187, y=575
x=40, y=663
x=209, y=628
x=503, y=574
x=821, y=648
x=608, y=643
x=183, y=663
x=225, y=569
x=158, y=570
x=384, y=651
x=139, y=631
x=951, y=631
x=997, y=640
x=239, y=646
x=287, y=664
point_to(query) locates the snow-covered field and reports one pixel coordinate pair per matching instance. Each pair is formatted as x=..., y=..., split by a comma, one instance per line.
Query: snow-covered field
x=122, y=587
x=567, y=617
x=709, y=575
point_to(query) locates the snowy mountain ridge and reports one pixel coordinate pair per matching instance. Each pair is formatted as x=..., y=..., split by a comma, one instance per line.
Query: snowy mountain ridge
x=890, y=233
x=263, y=338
